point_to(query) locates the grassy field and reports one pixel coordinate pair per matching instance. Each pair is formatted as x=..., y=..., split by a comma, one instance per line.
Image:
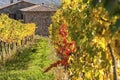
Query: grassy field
x=29, y=63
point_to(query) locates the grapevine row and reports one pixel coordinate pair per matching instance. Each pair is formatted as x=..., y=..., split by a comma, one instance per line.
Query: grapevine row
x=14, y=35
x=95, y=29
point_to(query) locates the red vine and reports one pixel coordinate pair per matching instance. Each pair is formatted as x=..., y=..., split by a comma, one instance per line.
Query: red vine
x=64, y=48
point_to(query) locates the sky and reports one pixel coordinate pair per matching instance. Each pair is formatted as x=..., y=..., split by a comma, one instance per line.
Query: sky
x=2, y=2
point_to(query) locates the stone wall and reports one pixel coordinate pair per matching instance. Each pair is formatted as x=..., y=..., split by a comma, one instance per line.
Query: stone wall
x=41, y=19
x=14, y=9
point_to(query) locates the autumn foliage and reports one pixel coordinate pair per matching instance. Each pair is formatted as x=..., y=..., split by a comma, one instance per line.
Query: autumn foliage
x=95, y=31
x=64, y=48
x=13, y=35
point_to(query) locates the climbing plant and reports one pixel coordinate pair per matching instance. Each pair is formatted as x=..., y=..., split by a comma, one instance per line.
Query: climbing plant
x=14, y=34
x=96, y=32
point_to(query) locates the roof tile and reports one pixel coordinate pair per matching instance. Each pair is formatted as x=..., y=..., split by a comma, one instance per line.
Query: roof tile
x=7, y=5
x=38, y=8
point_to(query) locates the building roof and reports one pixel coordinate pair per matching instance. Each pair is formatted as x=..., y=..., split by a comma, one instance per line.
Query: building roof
x=14, y=3
x=38, y=8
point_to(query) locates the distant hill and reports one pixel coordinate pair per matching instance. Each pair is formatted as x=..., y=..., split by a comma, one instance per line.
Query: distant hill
x=55, y=2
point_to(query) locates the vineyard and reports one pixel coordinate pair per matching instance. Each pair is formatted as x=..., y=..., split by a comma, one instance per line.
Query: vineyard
x=84, y=40
x=29, y=63
x=13, y=35
x=92, y=27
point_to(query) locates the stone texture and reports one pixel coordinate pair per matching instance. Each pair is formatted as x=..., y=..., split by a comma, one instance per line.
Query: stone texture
x=41, y=19
x=13, y=8
x=31, y=13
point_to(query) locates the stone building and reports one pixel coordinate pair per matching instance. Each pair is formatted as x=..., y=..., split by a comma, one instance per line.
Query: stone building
x=41, y=15
x=13, y=9
x=29, y=12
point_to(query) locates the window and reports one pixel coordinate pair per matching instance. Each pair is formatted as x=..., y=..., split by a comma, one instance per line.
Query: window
x=21, y=16
x=12, y=16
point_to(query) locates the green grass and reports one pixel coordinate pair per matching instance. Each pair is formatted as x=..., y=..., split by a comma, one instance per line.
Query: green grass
x=29, y=63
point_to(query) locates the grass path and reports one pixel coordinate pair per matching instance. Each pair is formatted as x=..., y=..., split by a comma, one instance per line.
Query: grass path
x=29, y=63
